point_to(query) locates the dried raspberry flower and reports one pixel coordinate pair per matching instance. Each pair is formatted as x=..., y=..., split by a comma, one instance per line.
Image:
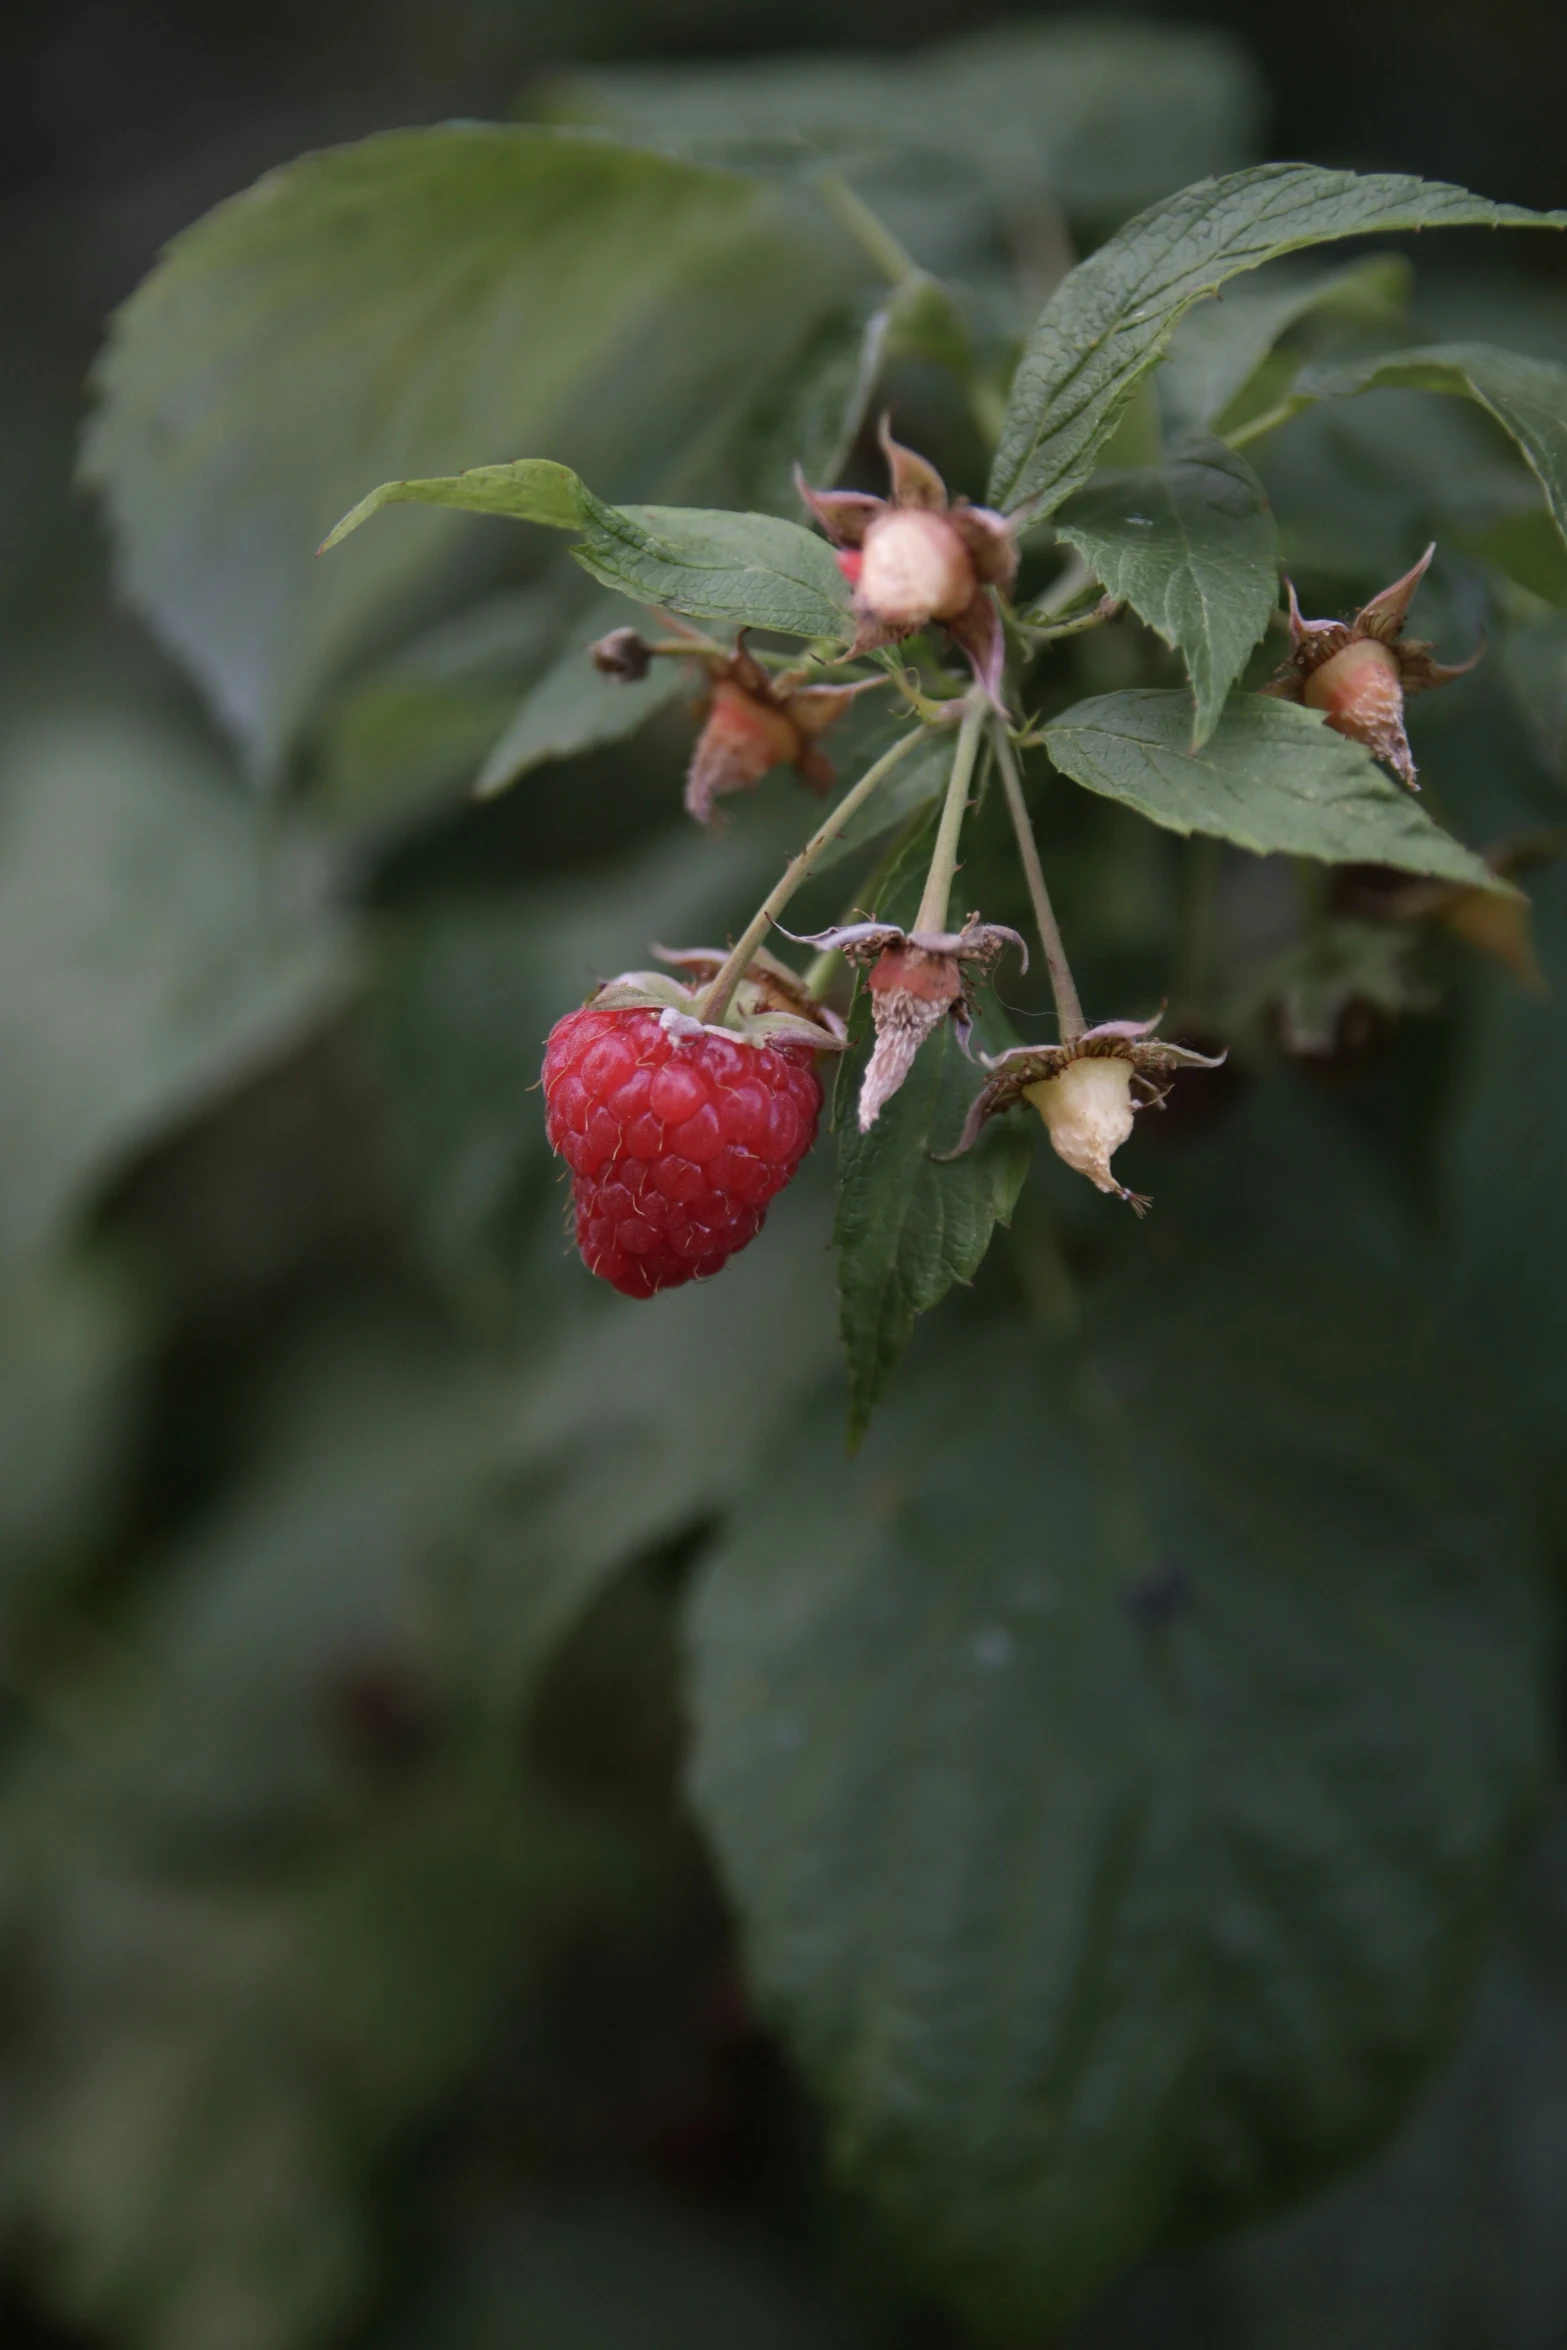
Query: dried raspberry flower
x=754, y=723
x=914, y=558
x=1087, y=1092
x=679, y=1133
x=1358, y=672
x=917, y=979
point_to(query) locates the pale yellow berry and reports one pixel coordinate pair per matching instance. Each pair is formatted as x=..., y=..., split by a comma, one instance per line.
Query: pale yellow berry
x=915, y=568
x=1088, y=1113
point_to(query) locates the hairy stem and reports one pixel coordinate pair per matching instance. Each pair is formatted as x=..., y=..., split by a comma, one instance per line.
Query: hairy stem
x=874, y=238
x=720, y=994
x=932, y=913
x=1069, y=1012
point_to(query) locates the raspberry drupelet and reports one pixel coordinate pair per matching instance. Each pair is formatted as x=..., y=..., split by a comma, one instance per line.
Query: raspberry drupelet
x=676, y=1136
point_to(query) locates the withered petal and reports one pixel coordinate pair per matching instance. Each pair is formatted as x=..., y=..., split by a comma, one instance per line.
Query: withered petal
x=1386, y=613
x=915, y=481
x=978, y=630
x=845, y=515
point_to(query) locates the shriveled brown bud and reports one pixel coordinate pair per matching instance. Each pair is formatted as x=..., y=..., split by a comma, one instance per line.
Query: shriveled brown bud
x=754, y=723
x=917, y=979
x=1359, y=672
x=623, y=654
x=1087, y=1092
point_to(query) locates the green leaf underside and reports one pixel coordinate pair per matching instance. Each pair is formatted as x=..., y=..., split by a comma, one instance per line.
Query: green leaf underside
x=750, y=570
x=150, y=956
x=908, y=1227
x=1220, y=344
x=1110, y=320
x=1272, y=778
x=417, y=302
x=1113, y=1805
x=1527, y=397
x=1192, y=547
x=1098, y=114
x=570, y=707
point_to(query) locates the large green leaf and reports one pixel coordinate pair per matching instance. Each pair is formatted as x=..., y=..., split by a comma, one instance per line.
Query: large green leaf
x=751, y=570
x=155, y=945
x=424, y=299
x=1097, y=114
x=1219, y=345
x=1116, y=1793
x=571, y=707
x=1458, y=2225
x=1273, y=778
x=1110, y=321
x=1192, y=547
x=1527, y=397
x=908, y=1226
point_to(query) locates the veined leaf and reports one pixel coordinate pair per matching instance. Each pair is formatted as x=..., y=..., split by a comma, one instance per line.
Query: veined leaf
x=424, y=299
x=1192, y=547
x=1116, y=1795
x=1109, y=322
x=750, y=570
x=1272, y=778
x=1527, y=397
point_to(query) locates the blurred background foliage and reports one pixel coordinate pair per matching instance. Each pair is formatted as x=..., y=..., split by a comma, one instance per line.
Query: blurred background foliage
x=363, y=1976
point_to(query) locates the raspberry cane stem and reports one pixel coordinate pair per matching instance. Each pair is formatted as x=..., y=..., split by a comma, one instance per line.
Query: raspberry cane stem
x=1069, y=1012
x=944, y=858
x=715, y=1004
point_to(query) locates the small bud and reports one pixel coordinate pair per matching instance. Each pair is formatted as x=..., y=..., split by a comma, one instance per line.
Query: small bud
x=1362, y=694
x=1088, y=1113
x=1359, y=672
x=1088, y=1093
x=917, y=979
x=911, y=992
x=756, y=722
x=915, y=560
x=914, y=569
x=622, y=654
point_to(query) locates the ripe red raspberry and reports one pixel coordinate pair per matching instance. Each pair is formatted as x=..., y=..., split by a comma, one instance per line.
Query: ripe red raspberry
x=675, y=1142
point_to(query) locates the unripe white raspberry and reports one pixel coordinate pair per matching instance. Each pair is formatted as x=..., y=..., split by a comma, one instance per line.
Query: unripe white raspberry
x=1088, y=1112
x=916, y=568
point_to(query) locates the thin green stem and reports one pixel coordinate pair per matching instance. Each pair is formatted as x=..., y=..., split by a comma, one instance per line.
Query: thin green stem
x=932, y=913
x=1105, y=609
x=1269, y=421
x=1069, y=1012
x=1063, y=590
x=874, y=238
x=720, y=994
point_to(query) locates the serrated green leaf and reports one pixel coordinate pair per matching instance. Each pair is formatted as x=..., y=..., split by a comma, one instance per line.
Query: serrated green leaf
x=529, y=489
x=424, y=300
x=1109, y=322
x=1273, y=778
x=1219, y=345
x=752, y=570
x=1527, y=397
x=1192, y=547
x=1114, y=1794
x=748, y=570
x=908, y=1226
